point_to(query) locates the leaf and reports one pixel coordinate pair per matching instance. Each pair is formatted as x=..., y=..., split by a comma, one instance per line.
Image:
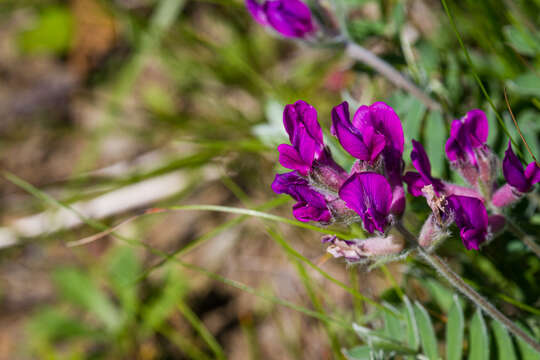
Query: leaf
x=505, y=348
x=435, y=137
x=378, y=341
x=392, y=324
x=358, y=353
x=172, y=292
x=522, y=41
x=53, y=324
x=479, y=338
x=527, y=84
x=527, y=352
x=427, y=333
x=454, y=331
x=412, y=326
x=78, y=288
x=51, y=34
x=123, y=269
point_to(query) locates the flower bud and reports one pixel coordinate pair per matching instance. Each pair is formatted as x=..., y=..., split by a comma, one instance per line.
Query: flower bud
x=357, y=250
x=506, y=195
x=431, y=232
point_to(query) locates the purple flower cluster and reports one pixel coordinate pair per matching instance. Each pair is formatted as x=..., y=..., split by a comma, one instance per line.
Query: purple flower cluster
x=372, y=191
x=290, y=18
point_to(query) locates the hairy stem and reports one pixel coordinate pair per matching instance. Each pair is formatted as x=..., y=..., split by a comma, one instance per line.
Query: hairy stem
x=442, y=267
x=365, y=56
x=527, y=239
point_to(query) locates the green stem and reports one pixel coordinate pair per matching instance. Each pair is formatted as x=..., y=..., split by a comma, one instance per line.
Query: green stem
x=442, y=268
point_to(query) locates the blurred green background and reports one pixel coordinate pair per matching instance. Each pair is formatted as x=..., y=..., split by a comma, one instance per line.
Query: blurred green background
x=108, y=108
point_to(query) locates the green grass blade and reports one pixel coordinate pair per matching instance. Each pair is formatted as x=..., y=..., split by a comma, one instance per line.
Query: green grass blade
x=455, y=327
x=427, y=333
x=201, y=330
x=479, y=338
x=505, y=347
x=259, y=214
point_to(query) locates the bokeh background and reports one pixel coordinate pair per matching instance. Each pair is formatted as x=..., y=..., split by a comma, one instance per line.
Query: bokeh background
x=108, y=108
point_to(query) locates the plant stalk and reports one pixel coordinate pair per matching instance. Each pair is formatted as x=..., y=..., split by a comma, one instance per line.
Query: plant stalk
x=442, y=267
x=365, y=56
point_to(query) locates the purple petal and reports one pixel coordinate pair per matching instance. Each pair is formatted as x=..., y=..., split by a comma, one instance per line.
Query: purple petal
x=513, y=171
x=256, y=11
x=370, y=195
x=364, y=146
x=471, y=217
x=287, y=183
x=420, y=160
x=384, y=120
x=291, y=18
x=291, y=159
x=452, y=147
x=466, y=135
x=477, y=127
x=415, y=182
x=310, y=206
x=532, y=173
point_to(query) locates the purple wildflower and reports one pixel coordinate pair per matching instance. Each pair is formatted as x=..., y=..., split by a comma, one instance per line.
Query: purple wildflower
x=373, y=129
x=522, y=180
x=310, y=206
x=519, y=181
x=370, y=195
x=308, y=154
x=305, y=134
x=290, y=18
x=417, y=180
x=467, y=135
x=471, y=217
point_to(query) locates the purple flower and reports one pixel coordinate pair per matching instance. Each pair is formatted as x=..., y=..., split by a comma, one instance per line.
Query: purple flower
x=466, y=135
x=417, y=180
x=522, y=180
x=305, y=134
x=291, y=18
x=370, y=195
x=373, y=129
x=471, y=217
x=310, y=206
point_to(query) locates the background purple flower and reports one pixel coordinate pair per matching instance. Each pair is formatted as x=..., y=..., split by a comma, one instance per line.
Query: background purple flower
x=310, y=206
x=291, y=18
x=417, y=180
x=305, y=135
x=370, y=195
x=471, y=217
x=522, y=180
x=466, y=135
